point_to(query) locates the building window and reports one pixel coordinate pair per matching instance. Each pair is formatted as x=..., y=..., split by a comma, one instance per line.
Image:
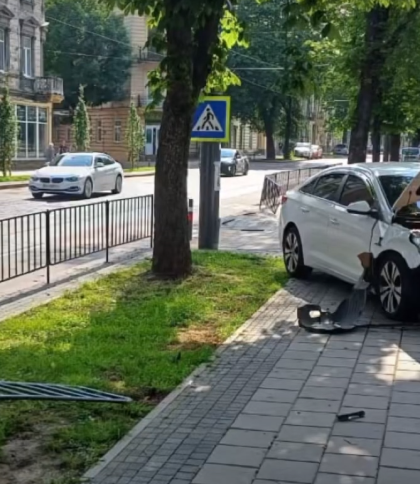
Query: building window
x=27, y=56
x=2, y=49
x=98, y=130
x=117, y=131
x=33, y=131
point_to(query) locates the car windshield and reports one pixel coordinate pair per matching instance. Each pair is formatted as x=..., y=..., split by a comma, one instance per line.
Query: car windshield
x=410, y=151
x=227, y=153
x=74, y=160
x=303, y=145
x=393, y=186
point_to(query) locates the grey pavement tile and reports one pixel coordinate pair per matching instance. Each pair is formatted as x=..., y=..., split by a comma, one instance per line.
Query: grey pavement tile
x=322, y=393
x=402, y=459
x=328, y=381
x=248, y=438
x=388, y=475
x=408, y=365
x=310, y=405
x=369, y=390
x=359, y=429
x=377, y=360
x=237, y=456
x=289, y=374
x=373, y=379
x=362, y=466
x=296, y=451
x=401, y=410
x=401, y=424
x=388, y=350
x=311, y=419
x=334, y=344
x=212, y=473
x=340, y=354
x=337, y=362
x=308, y=435
x=358, y=401
x=407, y=375
x=354, y=446
x=301, y=355
x=332, y=372
x=374, y=369
x=409, y=387
x=299, y=472
x=267, y=408
x=293, y=364
x=258, y=422
x=278, y=396
x=282, y=384
x=316, y=347
x=400, y=440
x=337, y=479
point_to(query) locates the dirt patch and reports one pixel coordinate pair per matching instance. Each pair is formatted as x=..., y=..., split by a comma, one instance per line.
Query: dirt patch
x=24, y=460
x=196, y=336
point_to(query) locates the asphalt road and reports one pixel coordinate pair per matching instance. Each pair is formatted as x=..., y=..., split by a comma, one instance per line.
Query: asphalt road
x=80, y=229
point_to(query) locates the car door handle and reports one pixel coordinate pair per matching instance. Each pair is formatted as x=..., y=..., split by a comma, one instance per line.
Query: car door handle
x=305, y=210
x=334, y=221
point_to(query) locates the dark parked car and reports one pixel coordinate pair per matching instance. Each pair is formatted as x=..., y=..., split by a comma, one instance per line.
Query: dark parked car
x=233, y=162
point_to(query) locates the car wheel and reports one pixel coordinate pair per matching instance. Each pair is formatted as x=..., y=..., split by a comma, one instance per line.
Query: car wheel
x=293, y=254
x=246, y=169
x=394, y=287
x=88, y=190
x=37, y=195
x=118, y=185
x=232, y=171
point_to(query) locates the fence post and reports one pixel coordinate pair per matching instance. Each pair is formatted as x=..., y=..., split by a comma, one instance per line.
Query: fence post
x=48, y=244
x=107, y=231
x=152, y=220
x=288, y=180
x=190, y=217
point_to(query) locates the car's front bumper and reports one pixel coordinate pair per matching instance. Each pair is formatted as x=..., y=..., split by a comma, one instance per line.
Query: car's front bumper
x=65, y=188
x=228, y=168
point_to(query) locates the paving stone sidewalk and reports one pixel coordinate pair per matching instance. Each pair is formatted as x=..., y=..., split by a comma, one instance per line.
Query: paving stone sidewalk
x=264, y=411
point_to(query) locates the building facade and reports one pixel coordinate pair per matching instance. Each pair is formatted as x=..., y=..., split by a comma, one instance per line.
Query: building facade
x=109, y=121
x=22, y=33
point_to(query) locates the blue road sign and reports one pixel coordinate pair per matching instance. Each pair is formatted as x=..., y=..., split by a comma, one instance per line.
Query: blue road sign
x=212, y=120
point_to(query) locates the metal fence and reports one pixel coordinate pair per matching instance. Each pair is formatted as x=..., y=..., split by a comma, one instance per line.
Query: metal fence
x=277, y=184
x=40, y=240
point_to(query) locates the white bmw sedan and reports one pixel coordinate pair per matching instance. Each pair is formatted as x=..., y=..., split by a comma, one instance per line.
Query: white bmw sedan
x=79, y=174
x=345, y=211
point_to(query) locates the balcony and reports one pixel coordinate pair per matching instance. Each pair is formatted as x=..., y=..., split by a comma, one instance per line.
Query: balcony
x=149, y=54
x=49, y=88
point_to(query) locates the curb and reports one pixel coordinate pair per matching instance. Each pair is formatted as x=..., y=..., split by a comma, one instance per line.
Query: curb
x=12, y=185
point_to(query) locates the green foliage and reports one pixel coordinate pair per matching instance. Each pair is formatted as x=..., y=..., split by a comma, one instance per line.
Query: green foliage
x=80, y=49
x=8, y=132
x=81, y=125
x=134, y=135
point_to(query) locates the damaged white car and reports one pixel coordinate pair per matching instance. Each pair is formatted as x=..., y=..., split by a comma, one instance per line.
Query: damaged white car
x=347, y=210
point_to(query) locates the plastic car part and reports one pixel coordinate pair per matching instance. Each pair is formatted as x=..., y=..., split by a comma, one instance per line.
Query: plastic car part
x=47, y=391
x=313, y=319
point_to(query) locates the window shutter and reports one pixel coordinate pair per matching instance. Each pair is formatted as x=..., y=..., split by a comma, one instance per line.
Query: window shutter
x=33, y=56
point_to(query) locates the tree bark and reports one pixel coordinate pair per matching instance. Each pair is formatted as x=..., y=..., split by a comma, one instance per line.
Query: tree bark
x=376, y=145
x=395, y=144
x=376, y=22
x=269, y=143
x=415, y=142
x=387, y=146
x=288, y=130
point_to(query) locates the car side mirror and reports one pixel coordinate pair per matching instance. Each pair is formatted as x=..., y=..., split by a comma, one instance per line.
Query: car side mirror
x=99, y=164
x=361, y=208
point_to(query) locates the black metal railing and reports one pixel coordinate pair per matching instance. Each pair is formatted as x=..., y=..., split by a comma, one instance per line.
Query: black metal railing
x=276, y=184
x=40, y=240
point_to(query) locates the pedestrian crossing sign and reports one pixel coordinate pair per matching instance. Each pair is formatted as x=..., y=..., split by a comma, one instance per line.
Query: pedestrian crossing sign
x=211, y=120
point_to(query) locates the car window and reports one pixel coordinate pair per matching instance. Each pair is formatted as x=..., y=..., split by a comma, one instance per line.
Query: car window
x=309, y=187
x=226, y=153
x=328, y=186
x=394, y=185
x=74, y=160
x=356, y=190
x=100, y=159
x=107, y=160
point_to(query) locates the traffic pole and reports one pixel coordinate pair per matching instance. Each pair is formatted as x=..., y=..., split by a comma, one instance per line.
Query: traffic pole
x=190, y=217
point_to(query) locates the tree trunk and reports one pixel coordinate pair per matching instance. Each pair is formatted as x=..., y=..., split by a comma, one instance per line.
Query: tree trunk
x=415, y=142
x=376, y=22
x=376, y=146
x=395, y=144
x=269, y=143
x=288, y=130
x=386, y=149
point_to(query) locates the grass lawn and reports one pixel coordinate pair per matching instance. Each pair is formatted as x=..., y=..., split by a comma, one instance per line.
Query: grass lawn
x=140, y=168
x=14, y=178
x=125, y=333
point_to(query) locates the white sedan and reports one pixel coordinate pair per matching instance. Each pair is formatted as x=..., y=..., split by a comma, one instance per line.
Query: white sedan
x=345, y=211
x=79, y=174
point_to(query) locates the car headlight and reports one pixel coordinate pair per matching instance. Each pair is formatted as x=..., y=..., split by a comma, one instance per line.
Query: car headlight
x=34, y=178
x=415, y=239
x=72, y=179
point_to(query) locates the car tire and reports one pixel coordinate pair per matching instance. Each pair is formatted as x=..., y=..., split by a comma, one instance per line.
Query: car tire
x=118, y=185
x=88, y=189
x=37, y=195
x=246, y=170
x=394, y=286
x=293, y=254
x=232, y=172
